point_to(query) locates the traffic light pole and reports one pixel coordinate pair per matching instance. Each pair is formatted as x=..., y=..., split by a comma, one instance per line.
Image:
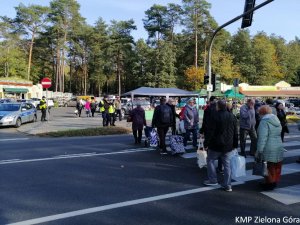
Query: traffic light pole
x=220, y=28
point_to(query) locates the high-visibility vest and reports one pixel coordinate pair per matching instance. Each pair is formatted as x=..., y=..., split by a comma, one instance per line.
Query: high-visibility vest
x=102, y=109
x=111, y=109
x=43, y=104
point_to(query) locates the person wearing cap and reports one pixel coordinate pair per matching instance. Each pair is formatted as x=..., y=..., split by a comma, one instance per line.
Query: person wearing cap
x=191, y=122
x=138, y=122
x=43, y=108
x=220, y=140
x=104, y=106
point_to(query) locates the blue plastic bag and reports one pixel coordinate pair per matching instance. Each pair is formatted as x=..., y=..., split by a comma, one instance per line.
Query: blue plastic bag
x=238, y=165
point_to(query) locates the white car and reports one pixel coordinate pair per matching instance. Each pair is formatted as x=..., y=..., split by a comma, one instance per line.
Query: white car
x=15, y=114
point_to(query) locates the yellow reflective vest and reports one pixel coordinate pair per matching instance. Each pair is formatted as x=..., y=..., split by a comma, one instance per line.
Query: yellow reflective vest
x=111, y=109
x=102, y=109
x=43, y=104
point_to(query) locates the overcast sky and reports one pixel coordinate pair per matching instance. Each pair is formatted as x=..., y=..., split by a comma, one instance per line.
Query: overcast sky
x=280, y=17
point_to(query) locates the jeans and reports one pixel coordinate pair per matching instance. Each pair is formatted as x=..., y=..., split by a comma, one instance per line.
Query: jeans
x=243, y=136
x=162, y=132
x=187, y=136
x=211, y=169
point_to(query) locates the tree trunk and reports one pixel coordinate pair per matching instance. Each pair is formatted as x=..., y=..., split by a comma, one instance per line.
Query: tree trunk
x=30, y=55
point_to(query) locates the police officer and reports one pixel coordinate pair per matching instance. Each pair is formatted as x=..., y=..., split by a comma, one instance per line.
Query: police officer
x=43, y=108
x=111, y=112
x=103, y=105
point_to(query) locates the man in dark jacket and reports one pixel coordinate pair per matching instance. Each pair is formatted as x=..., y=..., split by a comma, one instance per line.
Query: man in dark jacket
x=162, y=119
x=247, y=126
x=220, y=140
x=171, y=104
x=208, y=118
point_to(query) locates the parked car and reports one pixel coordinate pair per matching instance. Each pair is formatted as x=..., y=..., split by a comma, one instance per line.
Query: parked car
x=15, y=114
x=5, y=100
x=130, y=105
x=294, y=101
x=71, y=102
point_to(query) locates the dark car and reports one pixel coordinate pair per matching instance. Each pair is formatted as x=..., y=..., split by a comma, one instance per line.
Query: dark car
x=294, y=101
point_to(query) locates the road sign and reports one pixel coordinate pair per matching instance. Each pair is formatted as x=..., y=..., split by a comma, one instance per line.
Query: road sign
x=46, y=82
x=209, y=87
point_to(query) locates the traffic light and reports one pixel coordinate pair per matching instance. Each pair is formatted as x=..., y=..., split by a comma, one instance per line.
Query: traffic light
x=247, y=20
x=213, y=81
x=206, y=79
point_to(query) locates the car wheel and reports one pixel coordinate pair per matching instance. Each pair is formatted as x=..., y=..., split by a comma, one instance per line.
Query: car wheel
x=18, y=123
x=66, y=105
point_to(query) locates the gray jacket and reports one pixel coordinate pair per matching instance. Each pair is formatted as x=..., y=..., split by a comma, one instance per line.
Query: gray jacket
x=191, y=117
x=247, y=117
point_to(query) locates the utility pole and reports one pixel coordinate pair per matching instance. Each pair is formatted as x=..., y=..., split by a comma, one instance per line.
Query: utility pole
x=220, y=28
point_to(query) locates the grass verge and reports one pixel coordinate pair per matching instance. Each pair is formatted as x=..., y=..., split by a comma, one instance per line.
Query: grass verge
x=99, y=131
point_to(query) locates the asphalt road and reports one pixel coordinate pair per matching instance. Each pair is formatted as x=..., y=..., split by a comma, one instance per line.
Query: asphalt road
x=108, y=180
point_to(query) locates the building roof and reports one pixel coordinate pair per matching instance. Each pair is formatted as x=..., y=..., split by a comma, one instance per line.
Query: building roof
x=278, y=93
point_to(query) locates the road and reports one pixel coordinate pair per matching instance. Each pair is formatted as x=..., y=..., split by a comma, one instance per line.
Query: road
x=109, y=180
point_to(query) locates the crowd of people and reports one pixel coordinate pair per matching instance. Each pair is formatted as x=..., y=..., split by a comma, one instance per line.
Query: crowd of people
x=110, y=109
x=223, y=129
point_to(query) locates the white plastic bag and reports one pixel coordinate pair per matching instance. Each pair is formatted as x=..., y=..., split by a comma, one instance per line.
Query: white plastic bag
x=201, y=158
x=238, y=165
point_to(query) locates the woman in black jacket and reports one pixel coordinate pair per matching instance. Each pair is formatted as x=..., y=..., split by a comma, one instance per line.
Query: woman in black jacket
x=282, y=118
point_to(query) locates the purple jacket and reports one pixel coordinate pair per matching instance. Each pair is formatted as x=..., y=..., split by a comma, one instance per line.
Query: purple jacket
x=138, y=118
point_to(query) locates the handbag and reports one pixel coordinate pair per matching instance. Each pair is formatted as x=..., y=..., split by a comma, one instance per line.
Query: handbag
x=238, y=165
x=201, y=158
x=260, y=168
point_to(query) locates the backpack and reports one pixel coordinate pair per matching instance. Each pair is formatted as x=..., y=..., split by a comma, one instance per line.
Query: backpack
x=165, y=114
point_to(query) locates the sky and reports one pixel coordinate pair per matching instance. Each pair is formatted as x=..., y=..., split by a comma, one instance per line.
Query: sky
x=280, y=17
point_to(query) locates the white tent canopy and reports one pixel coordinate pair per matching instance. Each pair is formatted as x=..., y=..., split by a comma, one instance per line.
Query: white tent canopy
x=158, y=92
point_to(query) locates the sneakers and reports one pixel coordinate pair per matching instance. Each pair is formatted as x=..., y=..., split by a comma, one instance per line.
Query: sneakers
x=209, y=183
x=228, y=188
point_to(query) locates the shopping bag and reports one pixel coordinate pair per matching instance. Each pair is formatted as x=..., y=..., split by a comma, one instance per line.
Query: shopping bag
x=238, y=165
x=201, y=158
x=260, y=168
x=153, y=138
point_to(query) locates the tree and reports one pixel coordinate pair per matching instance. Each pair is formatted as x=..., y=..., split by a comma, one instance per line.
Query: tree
x=265, y=61
x=240, y=47
x=31, y=20
x=156, y=23
x=65, y=18
x=194, y=77
x=196, y=15
x=121, y=42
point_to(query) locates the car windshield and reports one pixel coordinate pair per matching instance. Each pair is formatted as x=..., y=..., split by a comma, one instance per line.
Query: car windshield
x=9, y=107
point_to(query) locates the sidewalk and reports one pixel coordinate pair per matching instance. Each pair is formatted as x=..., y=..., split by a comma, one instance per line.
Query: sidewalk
x=67, y=123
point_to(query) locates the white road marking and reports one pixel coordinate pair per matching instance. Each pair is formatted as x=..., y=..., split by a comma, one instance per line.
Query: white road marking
x=287, y=169
x=82, y=155
x=287, y=195
x=14, y=139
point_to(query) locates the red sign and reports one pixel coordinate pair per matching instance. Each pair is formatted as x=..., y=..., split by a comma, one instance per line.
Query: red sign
x=46, y=82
